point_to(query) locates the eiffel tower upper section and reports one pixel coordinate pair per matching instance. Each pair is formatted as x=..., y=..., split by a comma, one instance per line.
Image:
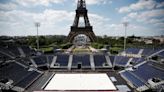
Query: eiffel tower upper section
x=81, y=11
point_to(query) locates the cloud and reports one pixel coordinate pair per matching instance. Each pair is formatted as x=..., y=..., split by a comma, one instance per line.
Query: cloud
x=150, y=17
x=98, y=2
x=37, y=2
x=117, y=29
x=146, y=15
x=160, y=5
x=19, y=22
x=140, y=5
x=124, y=9
x=8, y=6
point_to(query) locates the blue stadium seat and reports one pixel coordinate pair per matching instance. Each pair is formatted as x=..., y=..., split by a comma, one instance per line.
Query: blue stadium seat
x=112, y=59
x=147, y=71
x=40, y=60
x=14, y=50
x=28, y=80
x=81, y=59
x=121, y=61
x=161, y=54
x=99, y=60
x=14, y=72
x=50, y=58
x=136, y=61
x=147, y=52
x=134, y=80
x=132, y=50
x=62, y=59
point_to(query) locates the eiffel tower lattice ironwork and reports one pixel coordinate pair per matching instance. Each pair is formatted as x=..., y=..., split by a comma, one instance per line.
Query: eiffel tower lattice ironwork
x=76, y=29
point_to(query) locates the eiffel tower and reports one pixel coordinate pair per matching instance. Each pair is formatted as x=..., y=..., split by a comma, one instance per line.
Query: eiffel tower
x=76, y=28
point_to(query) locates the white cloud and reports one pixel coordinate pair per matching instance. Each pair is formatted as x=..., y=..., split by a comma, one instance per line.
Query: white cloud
x=140, y=5
x=153, y=17
x=133, y=15
x=18, y=22
x=90, y=2
x=58, y=22
x=160, y=5
x=8, y=6
x=93, y=2
x=153, y=13
x=124, y=9
x=37, y=2
x=117, y=29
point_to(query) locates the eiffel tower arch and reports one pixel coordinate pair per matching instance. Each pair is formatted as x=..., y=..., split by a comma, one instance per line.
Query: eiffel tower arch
x=77, y=28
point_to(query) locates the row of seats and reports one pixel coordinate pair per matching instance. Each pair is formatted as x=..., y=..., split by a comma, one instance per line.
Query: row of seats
x=99, y=60
x=132, y=50
x=146, y=71
x=14, y=51
x=19, y=75
x=62, y=59
x=124, y=61
x=161, y=54
x=144, y=52
x=140, y=75
x=133, y=79
x=121, y=61
x=82, y=59
x=6, y=53
x=40, y=60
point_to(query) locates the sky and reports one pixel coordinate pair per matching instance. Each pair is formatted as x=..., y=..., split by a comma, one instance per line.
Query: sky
x=145, y=17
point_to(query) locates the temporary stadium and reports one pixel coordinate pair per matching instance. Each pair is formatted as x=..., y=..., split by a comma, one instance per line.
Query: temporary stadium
x=22, y=69
x=81, y=68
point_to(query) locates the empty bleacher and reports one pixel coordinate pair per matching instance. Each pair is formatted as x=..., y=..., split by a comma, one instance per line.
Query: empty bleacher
x=161, y=54
x=83, y=60
x=4, y=57
x=132, y=50
x=62, y=60
x=7, y=53
x=121, y=61
x=86, y=61
x=28, y=80
x=112, y=59
x=14, y=50
x=136, y=82
x=137, y=70
x=50, y=59
x=146, y=71
x=27, y=50
x=40, y=61
x=136, y=61
x=100, y=61
x=20, y=75
x=140, y=75
x=24, y=61
x=147, y=52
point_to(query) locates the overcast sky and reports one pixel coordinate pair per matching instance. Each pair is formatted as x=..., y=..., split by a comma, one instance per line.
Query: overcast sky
x=146, y=17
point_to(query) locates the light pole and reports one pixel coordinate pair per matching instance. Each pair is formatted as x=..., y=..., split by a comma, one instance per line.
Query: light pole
x=125, y=24
x=37, y=25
